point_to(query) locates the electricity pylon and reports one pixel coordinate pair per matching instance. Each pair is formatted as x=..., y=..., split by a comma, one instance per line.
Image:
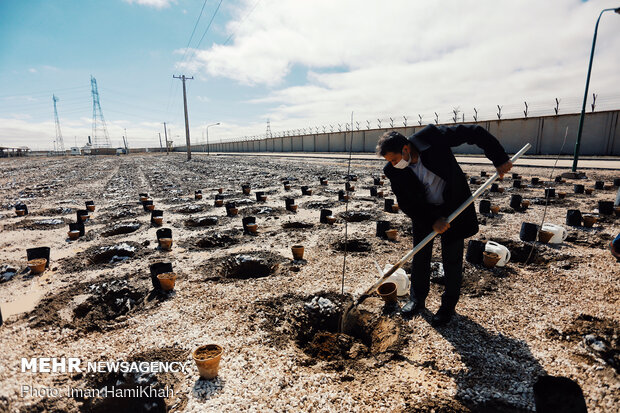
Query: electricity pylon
x=60, y=145
x=98, y=140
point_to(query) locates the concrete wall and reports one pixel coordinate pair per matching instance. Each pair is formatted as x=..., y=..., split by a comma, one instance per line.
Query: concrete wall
x=601, y=136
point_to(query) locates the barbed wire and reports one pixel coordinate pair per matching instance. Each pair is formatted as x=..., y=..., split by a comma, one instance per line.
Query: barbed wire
x=554, y=107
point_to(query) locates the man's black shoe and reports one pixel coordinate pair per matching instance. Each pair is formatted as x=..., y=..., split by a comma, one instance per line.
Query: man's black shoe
x=412, y=307
x=441, y=318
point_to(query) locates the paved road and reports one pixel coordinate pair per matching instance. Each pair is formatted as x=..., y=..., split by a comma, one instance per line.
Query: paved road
x=533, y=161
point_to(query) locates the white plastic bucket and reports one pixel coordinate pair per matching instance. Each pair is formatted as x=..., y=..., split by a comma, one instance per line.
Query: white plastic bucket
x=503, y=252
x=559, y=232
x=399, y=278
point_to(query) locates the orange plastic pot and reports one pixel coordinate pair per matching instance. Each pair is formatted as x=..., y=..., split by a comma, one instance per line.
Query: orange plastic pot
x=490, y=259
x=589, y=220
x=545, y=236
x=165, y=243
x=387, y=291
x=167, y=280
x=37, y=265
x=298, y=252
x=207, y=359
x=391, y=234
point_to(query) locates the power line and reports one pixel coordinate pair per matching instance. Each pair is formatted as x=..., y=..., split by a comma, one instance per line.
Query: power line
x=241, y=23
x=209, y=25
x=193, y=31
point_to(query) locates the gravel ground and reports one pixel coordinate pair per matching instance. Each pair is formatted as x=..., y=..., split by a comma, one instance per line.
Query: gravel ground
x=555, y=314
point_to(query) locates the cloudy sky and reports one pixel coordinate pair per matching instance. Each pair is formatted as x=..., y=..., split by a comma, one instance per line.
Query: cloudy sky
x=298, y=63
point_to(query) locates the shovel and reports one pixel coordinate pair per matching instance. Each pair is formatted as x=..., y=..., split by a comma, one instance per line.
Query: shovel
x=346, y=321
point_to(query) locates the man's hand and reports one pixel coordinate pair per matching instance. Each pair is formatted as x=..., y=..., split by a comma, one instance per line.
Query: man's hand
x=441, y=225
x=504, y=168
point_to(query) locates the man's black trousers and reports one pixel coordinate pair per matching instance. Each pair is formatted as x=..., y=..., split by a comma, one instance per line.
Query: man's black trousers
x=452, y=258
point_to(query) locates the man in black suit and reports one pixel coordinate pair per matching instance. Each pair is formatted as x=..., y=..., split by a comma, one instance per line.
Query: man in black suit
x=429, y=185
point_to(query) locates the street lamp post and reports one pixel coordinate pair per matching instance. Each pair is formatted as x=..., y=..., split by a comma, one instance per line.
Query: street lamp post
x=585, y=97
x=213, y=124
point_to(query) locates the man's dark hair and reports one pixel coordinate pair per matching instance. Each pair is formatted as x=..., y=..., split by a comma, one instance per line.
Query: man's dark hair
x=391, y=142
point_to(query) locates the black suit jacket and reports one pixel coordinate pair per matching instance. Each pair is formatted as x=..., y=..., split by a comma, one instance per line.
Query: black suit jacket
x=433, y=144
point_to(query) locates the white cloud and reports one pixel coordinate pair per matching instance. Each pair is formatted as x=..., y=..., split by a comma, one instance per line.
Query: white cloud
x=158, y=4
x=32, y=70
x=406, y=57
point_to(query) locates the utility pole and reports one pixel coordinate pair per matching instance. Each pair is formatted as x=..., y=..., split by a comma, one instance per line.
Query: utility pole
x=160, y=147
x=166, y=135
x=187, y=142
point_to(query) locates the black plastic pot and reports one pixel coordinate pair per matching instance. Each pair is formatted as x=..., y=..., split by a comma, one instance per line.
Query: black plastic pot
x=288, y=202
x=373, y=191
x=219, y=196
x=245, y=221
x=163, y=233
x=77, y=226
x=535, y=180
x=230, y=205
x=198, y=194
x=473, y=180
x=475, y=248
x=324, y=213
x=156, y=269
x=528, y=231
x=606, y=207
x=351, y=178
x=483, y=173
x=579, y=188
x=494, y=187
x=516, y=183
x=376, y=181
x=382, y=226
x=558, y=178
x=304, y=190
x=516, y=176
x=81, y=212
x=146, y=203
x=347, y=186
x=90, y=203
x=558, y=394
x=485, y=206
x=387, y=206
x=616, y=181
x=22, y=207
x=599, y=185
x=549, y=193
x=573, y=218
x=156, y=213
x=341, y=195
x=39, y=252
x=322, y=180
x=259, y=194
x=515, y=202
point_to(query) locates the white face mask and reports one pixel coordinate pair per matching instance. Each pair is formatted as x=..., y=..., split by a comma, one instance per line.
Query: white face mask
x=402, y=164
